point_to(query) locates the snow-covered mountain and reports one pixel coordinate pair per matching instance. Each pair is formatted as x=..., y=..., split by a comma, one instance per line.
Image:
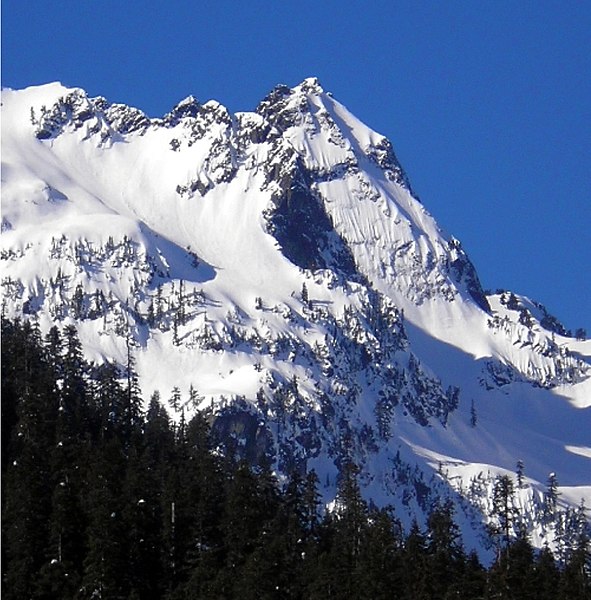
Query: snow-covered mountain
x=276, y=268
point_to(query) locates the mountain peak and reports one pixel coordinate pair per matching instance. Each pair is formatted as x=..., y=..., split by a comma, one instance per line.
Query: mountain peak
x=310, y=85
x=278, y=263
x=189, y=107
x=285, y=107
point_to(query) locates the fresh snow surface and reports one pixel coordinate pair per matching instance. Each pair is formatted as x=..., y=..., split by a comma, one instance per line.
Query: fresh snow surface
x=141, y=211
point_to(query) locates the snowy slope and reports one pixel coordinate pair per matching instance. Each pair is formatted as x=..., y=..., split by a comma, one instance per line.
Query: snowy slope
x=278, y=262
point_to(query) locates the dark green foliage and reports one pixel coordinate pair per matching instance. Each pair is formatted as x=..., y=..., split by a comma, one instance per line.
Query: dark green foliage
x=445, y=552
x=575, y=583
x=379, y=569
x=347, y=529
x=28, y=430
x=512, y=575
x=520, y=473
x=546, y=576
x=504, y=511
x=552, y=494
x=101, y=500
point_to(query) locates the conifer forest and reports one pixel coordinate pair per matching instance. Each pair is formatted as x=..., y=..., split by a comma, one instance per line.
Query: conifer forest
x=104, y=496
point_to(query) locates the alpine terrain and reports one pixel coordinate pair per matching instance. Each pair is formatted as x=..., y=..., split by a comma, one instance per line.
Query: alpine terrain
x=275, y=271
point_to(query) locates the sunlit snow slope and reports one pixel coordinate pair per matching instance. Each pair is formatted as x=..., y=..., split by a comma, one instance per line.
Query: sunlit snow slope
x=277, y=263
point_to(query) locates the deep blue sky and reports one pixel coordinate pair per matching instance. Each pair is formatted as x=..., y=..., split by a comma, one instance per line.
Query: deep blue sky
x=488, y=104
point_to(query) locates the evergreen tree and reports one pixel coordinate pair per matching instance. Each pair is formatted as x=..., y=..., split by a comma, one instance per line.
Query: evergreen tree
x=108, y=401
x=26, y=475
x=504, y=511
x=10, y=355
x=158, y=437
x=200, y=502
x=194, y=398
x=445, y=550
x=105, y=565
x=380, y=569
x=416, y=576
x=67, y=522
x=519, y=572
x=53, y=350
x=161, y=467
x=175, y=399
x=304, y=294
x=182, y=316
x=175, y=326
x=159, y=304
x=546, y=576
x=575, y=582
x=350, y=524
x=74, y=401
x=473, y=583
x=26, y=506
x=293, y=531
x=551, y=496
x=311, y=502
x=78, y=303
x=520, y=473
x=151, y=317
x=133, y=400
x=249, y=507
x=69, y=455
x=142, y=516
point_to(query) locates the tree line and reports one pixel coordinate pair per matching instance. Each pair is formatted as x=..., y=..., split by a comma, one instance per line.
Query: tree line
x=102, y=498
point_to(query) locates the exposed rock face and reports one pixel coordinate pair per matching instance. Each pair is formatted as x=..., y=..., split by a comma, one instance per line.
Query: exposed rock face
x=304, y=231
